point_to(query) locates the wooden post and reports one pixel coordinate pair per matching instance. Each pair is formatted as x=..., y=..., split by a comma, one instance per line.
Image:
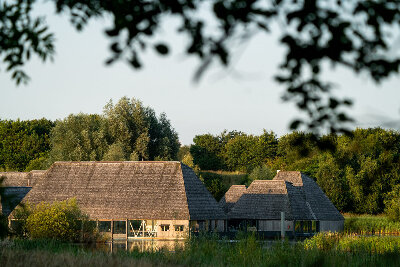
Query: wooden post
x=126, y=231
x=112, y=230
x=283, y=225
x=143, y=225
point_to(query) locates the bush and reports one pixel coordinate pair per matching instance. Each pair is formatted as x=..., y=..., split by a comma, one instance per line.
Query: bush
x=392, y=204
x=60, y=220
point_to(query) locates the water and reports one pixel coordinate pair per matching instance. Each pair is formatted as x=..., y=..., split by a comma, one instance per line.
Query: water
x=145, y=245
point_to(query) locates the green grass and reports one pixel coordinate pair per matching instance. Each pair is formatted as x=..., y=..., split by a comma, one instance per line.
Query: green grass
x=370, y=224
x=354, y=243
x=322, y=250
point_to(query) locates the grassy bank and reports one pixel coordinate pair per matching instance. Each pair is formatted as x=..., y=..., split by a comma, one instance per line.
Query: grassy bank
x=369, y=224
x=322, y=250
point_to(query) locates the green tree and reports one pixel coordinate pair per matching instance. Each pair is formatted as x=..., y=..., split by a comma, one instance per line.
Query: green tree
x=330, y=178
x=23, y=141
x=115, y=153
x=245, y=152
x=188, y=160
x=206, y=151
x=242, y=153
x=183, y=151
x=261, y=173
x=138, y=129
x=80, y=137
x=126, y=131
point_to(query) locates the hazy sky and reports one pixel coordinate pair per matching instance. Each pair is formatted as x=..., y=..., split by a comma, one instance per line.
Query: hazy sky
x=244, y=97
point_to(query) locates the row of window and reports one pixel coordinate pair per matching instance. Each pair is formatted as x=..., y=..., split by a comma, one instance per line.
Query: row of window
x=165, y=228
x=120, y=227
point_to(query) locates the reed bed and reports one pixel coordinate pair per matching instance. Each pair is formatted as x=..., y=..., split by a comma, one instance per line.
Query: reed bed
x=354, y=243
x=369, y=224
x=322, y=250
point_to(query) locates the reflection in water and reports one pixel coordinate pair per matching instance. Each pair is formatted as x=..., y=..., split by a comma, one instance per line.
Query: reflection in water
x=146, y=245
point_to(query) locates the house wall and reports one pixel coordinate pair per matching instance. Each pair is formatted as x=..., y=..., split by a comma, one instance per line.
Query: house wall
x=332, y=226
x=171, y=233
x=268, y=225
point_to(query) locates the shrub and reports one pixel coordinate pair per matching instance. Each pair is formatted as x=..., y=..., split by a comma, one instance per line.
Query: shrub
x=60, y=220
x=392, y=204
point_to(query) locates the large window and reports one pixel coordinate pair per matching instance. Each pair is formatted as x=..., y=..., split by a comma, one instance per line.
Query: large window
x=142, y=228
x=104, y=226
x=307, y=226
x=119, y=227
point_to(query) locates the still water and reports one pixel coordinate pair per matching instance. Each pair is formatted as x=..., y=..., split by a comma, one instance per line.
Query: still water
x=145, y=245
x=151, y=245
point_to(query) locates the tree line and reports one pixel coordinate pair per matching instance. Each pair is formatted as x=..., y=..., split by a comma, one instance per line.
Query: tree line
x=127, y=130
x=359, y=172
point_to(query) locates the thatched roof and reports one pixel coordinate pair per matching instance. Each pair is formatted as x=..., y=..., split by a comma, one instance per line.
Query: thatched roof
x=292, y=192
x=128, y=190
x=231, y=197
x=21, y=178
x=262, y=200
x=309, y=193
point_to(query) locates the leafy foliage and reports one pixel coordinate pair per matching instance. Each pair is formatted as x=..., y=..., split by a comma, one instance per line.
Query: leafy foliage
x=356, y=173
x=23, y=143
x=352, y=34
x=392, y=204
x=233, y=150
x=60, y=220
x=126, y=131
x=261, y=173
x=21, y=36
x=80, y=137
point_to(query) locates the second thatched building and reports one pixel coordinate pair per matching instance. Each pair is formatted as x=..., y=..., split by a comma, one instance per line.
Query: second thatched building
x=260, y=207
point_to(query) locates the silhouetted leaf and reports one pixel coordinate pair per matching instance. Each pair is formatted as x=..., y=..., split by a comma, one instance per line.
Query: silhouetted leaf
x=161, y=49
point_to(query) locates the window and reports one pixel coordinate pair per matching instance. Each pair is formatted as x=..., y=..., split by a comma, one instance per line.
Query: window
x=164, y=227
x=178, y=228
x=119, y=227
x=104, y=226
x=307, y=226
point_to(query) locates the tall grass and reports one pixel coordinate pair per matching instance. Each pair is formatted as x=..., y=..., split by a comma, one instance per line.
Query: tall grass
x=369, y=224
x=335, y=250
x=354, y=243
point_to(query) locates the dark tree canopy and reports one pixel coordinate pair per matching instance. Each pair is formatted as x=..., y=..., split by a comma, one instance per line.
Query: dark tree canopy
x=22, y=142
x=356, y=34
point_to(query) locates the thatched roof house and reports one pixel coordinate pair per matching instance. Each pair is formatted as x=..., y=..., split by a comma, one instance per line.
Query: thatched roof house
x=291, y=192
x=161, y=193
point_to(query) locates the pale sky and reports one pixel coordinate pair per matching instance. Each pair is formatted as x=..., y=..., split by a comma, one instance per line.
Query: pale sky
x=244, y=97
